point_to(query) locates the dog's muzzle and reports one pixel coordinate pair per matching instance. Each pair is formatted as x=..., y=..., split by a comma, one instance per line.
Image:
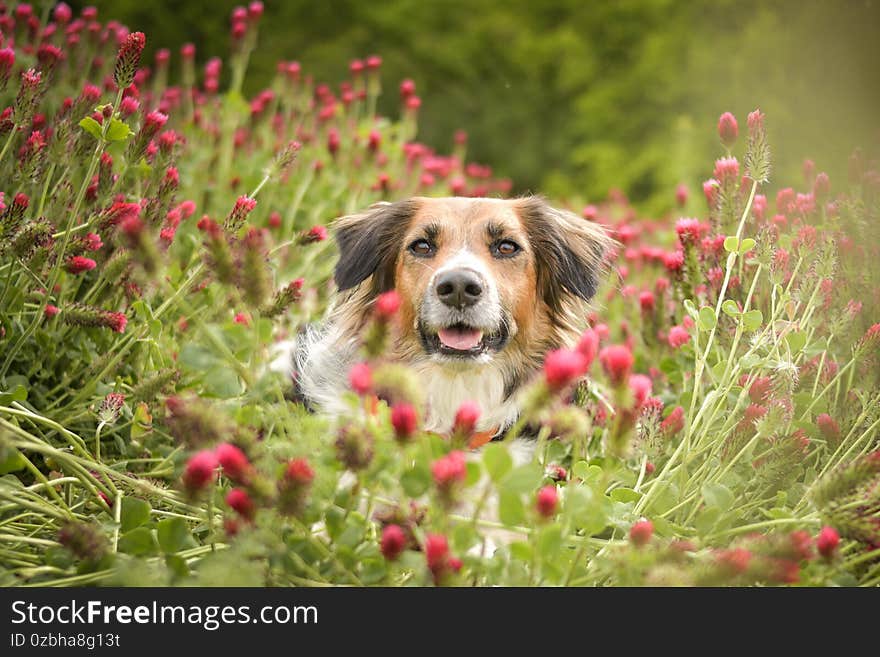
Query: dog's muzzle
x=461, y=315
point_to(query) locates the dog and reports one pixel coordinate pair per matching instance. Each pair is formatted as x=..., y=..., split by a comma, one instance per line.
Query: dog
x=487, y=288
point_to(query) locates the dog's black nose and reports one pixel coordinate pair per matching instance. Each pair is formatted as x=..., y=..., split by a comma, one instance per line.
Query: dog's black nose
x=459, y=288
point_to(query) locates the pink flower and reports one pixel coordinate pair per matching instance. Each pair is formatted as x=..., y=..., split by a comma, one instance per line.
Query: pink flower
x=710, y=191
x=466, y=417
x=387, y=304
x=617, y=361
x=688, y=231
x=726, y=170
x=299, y=471
x=681, y=195
x=829, y=428
x=735, y=561
x=393, y=542
x=128, y=58
x=79, y=264
x=62, y=13
x=242, y=318
x=821, y=187
x=640, y=533
x=154, y=122
x=50, y=311
x=244, y=205
x=562, y=367
x=728, y=129
x=92, y=242
x=646, y=301
x=200, y=471
x=827, y=542
x=333, y=141
x=640, y=385
x=678, y=336
x=116, y=321
x=449, y=470
x=236, y=466
x=674, y=422
x=360, y=377
x=437, y=555
x=588, y=347
x=756, y=121
x=404, y=420
x=673, y=261
x=547, y=501
x=407, y=89
x=760, y=389
x=7, y=61
x=239, y=501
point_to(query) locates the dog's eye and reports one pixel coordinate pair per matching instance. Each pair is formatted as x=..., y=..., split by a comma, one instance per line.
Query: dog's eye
x=422, y=248
x=504, y=249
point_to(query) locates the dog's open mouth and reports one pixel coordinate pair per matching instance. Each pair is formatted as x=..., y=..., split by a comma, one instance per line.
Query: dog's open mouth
x=462, y=340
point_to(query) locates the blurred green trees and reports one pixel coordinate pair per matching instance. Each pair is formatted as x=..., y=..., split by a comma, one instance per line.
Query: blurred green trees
x=571, y=98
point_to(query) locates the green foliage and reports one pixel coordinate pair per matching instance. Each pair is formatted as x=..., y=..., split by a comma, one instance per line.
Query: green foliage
x=125, y=366
x=582, y=98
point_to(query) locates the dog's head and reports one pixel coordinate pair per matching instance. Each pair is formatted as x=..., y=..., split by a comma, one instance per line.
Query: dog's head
x=478, y=278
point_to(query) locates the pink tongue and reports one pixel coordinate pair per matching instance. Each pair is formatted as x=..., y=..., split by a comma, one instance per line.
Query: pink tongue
x=462, y=340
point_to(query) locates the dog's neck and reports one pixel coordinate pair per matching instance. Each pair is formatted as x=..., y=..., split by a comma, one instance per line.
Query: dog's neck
x=447, y=387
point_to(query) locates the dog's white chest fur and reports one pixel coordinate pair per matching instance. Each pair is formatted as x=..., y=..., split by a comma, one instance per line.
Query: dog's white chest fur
x=447, y=387
x=324, y=360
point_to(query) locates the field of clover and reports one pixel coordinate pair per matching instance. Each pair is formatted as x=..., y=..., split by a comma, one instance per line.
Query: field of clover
x=717, y=423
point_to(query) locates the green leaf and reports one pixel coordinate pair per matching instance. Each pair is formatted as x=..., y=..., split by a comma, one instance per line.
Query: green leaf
x=550, y=541
x=473, y=473
x=729, y=307
x=690, y=308
x=177, y=565
x=11, y=460
x=135, y=513
x=523, y=479
x=717, y=495
x=17, y=394
x=625, y=495
x=587, y=510
x=752, y=320
x=196, y=358
x=118, y=131
x=497, y=460
x=138, y=541
x=372, y=571
x=416, y=480
x=521, y=551
x=511, y=510
x=91, y=126
x=747, y=245
x=706, y=519
x=731, y=244
x=173, y=535
x=223, y=382
x=796, y=341
x=142, y=423
x=707, y=319
x=464, y=537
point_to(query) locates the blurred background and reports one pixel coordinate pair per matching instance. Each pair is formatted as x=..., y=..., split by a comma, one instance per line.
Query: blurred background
x=571, y=98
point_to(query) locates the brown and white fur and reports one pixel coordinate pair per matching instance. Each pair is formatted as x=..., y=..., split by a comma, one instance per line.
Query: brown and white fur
x=521, y=275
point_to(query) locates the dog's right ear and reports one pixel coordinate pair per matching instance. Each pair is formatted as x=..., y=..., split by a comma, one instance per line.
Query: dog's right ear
x=369, y=243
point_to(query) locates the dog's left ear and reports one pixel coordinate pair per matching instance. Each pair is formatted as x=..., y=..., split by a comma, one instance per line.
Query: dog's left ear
x=570, y=252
